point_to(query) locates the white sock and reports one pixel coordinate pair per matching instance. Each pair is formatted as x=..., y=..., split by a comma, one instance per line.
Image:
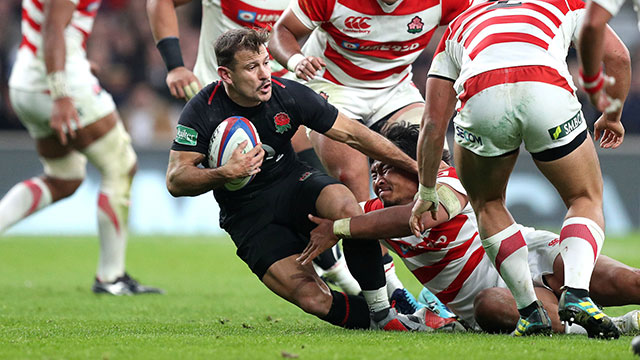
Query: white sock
x=393, y=282
x=340, y=275
x=112, y=229
x=581, y=240
x=508, y=253
x=376, y=299
x=22, y=200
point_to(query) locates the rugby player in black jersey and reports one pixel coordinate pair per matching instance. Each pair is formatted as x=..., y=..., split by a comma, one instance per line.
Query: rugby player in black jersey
x=267, y=219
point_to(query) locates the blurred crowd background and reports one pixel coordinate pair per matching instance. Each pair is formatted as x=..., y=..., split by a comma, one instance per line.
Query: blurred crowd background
x=131, y=69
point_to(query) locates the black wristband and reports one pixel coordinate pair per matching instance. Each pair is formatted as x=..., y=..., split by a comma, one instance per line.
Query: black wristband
x=169, y=48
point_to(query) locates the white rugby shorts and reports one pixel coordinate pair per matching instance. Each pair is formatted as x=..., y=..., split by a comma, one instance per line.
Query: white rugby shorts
x=34, y=107
x=367, y=105
x=496, y=120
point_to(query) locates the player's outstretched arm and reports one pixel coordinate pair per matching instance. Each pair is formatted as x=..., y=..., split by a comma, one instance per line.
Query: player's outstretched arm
x=370, y=143
x=185, y=178
x=284, y=46
x=57, y=15
x=181, y=81
x=441, y=100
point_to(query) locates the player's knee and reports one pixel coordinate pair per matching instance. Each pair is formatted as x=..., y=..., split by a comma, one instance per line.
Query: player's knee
x=64, y=175
x=491, y=312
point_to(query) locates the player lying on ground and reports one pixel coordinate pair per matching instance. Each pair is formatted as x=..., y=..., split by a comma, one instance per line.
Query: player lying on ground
x=266, y=219
x=449, y=260
x=502, y=64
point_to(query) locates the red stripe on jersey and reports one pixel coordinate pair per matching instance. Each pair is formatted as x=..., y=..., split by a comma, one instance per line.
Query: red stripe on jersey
x=512, y=75
x=509, y=19
x=576, y=4
x=380, y=50
x=317, y=10
x=373, y=204
x=373, y=8
x=278, y=83
x=38, y=4
x=559, y=4
x=580, y=231
x=448, y=230
x=213, y=92
x=85, y=35
x=357, y=72
x=453, y=8
x=105, y=206
x=25, y=42
x=425, y=274
x=327, y=75
x=84, y=5
x=507, y=247
x=450, y=293
x=506, y=37
x=443, y=42
x=471, y=12
x=34, y=25
x=249, y=16
x=36, y=195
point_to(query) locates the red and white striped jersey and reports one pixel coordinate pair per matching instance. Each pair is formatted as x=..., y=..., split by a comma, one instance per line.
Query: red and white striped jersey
x=219, y=16
x=367, y=43
x=448, y=256
x=29, y=70
x=509, y=33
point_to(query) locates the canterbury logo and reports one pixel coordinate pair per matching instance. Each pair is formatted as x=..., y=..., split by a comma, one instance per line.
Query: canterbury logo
x=357, y=23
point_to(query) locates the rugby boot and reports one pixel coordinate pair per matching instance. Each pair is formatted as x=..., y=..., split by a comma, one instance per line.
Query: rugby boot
x=538, y=322
x=390, y=320
x=124, y=285
x=439, y=323
x=582, y=311
x=628, y=323
x=403, y=301
x=434, y=304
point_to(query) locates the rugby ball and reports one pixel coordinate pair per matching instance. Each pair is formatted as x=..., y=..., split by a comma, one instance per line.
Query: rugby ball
x=226, y=138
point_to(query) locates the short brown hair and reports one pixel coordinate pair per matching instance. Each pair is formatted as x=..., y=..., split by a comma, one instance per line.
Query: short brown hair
x=232, y=41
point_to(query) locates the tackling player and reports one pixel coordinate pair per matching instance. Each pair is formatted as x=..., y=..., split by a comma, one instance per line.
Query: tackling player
x=72, y=119
x=270, y=241
x=504, y=64
x=448, y=258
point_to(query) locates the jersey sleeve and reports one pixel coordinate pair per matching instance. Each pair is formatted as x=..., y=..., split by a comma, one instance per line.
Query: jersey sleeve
x=312, y=13
x=315, y=111
x=372, y=205
x=443, y=64
x=612, y=6
x=451, y=9
x=191, y=131
x=450, y=177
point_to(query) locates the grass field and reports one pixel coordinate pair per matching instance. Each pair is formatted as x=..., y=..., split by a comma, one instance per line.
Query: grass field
x=215, y=308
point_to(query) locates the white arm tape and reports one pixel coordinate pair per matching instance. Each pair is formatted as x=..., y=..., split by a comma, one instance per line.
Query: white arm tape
x=293, y=61
x=342, y=228
x=449, y=200
x=57, y=83
x=428, y=194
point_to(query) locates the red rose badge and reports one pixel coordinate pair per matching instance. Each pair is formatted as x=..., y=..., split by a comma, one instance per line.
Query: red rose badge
x=282, y=122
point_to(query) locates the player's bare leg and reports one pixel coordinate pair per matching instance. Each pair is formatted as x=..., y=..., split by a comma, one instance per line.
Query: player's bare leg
x=301, y=286
x=495, y=310
x=485, y=180
x=578, y=180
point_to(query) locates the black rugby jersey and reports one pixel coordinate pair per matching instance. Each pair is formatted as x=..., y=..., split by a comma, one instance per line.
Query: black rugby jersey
x=277, y=120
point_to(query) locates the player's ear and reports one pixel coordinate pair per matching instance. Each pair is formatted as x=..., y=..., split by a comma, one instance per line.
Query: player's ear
x=225, y=74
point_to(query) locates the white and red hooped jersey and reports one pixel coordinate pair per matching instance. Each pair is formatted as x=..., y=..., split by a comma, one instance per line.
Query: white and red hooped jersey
x=367, y=43
x=219, y=16
x=448, y=259
x=29, y=71
x=496, y=35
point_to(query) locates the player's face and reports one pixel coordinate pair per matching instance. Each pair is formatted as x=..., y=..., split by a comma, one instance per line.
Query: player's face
x=392, y=185
x=250, y=78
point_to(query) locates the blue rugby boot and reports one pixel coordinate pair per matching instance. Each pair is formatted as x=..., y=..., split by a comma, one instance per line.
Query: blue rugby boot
x=434, y=304
x=538, y=322
x=404, y=302
x=576, y=306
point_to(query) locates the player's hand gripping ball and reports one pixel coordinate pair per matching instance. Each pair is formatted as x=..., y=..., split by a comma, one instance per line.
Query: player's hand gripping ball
x=226, y=138
x=635, y=345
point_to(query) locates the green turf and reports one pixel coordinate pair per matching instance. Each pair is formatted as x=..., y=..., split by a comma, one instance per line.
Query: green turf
x=216, y=309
